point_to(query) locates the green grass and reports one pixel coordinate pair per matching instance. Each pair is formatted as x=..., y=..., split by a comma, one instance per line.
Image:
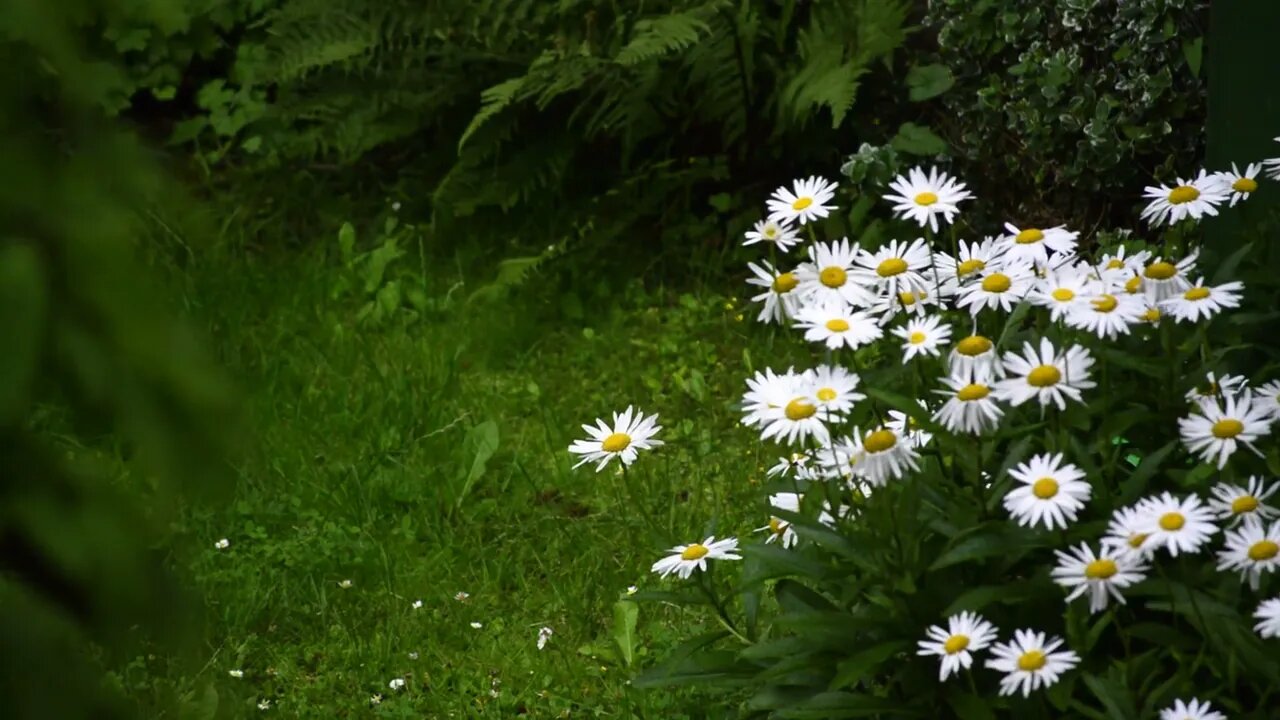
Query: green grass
x=369, y=461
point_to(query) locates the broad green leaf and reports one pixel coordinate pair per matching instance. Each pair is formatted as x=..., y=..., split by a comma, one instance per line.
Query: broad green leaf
x=795, y=597
x=482, y=441
x=852, y=669
x=918, y=140
x=994, y=541
x=347, y=241
x=1116, y=698
x=1193, y=51
x=23, y=306
x=926, y=81
x=1134, y=486
x=625, y=616
x=968, y=706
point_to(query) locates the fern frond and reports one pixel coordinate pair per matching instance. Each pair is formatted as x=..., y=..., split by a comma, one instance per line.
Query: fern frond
x=662, y=36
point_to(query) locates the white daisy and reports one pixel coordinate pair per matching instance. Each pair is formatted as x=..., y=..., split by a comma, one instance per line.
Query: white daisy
x=778, y=528
x=1239, y=184
x=1200, y=301
x=1268, y=397
x=780, y=297
x=1268, y=615
x=974, y=257
x=1031, y=661
x=922, y=336
x=1047, y=375
x=1193, y=198
x=969, y=408
x=883, y=454
x=886, y=307
x=766, y=392
x=684, y=559
x=923, y=198
x=836, y=325
x=1235, y=503
x=787, y=466
x=1107, y=315
x=790, y=412
x=1001, y=288
x=1194, y=710
x=1162, y=279
x=1215, y=388
x=1122, y=264
x=895, y=268
x=825, y=278
x=631, y=432
x=1253, y=548
x=1102, y=575
x=805, y=201
x=1126, y=533
x=1049, y=492
x=835, y=389
x=964, y=635
x=1177, y=525
x=1220, y=427
x=1062, y=291
x=975, y=358
x=780, y=234
x=905, y=426
x=1033, y=245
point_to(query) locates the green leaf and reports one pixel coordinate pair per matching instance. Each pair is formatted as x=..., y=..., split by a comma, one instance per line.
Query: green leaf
x=854, y=668
x=992, y=541
x=1135, y=485
x=794, y=597
x=918, y=140
x=709, y=668
x=830, y=705
x=1227, y=268
x=1116, y=698
x=968, y=706
x=1193, y=51
x=625, y=616
x=24, y=299
x=482, y=441
x=926, y=81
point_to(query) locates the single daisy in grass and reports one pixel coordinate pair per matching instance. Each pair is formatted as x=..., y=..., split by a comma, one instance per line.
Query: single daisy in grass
x=975, y=358
x=906, y=426
x=766, y=392
x=922, y=336
x=805, y=201
x=1268, y=397
x=1062, y=291
x=1030, y=661
x=1268, y=615
x=836, y=325
x=1192, y=199
x=1102, y=575
x=997, y=288
x=1107, y=315
x=1122, y=264
x=780, y=297
x=1253, y=549
x=969, y=408
x=1045, y=374
x=1240, y=185
x=781, y=234
x=1215, y=388
x=1236, y=503
x=883, y=454
x=1179, y=525
x=1033, y=245
x=1162, y=279
x=835, y=389
x=955, y=644
x=780, y=530
x=1194, y=710
x=826, y=277
x=1049, y=492
x=1127, y=535
x=1218, y=430
x=791, y=411
x=1202, y=302
x=630, y=433
x=895, y=268
x=923, y=198
x=684, y=559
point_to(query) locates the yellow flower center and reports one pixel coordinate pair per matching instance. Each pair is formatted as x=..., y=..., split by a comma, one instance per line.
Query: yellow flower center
x=1115, y=264
x=1151, y=315
x=996, y=283
x=926, y=199
x=785, y=283
x=1172, y=521
x=1100, y=569
x=1136, y=540
x=695, y=551
x=891, y=267
x=955, y=644
x=1183, y=194
x=1028, y=236
x=1263, y=550
x=1031, y=661
x=1105, y=304
x=973, y=345
x=908, y=298
x=970, y=266
x=1244, y=504
x=616, y=442
x=776, y=526
x=826, y=394
x=801, y=203
x=1244, y=185
x=837, y=325
x=973, y=391
x=1064, y=295
x=832, y=277
x=1044, y=376
x=770, y=231
x=1227, y=428
x=879, y=441
x=1133, y=285
x=1045, y=488
x=799, y=409
x=1160, y=270
x=917, y=338
x=1196, y=293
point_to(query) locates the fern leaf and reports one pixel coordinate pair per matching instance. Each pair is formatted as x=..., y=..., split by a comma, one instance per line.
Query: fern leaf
x=494, y=100
x=661, y=36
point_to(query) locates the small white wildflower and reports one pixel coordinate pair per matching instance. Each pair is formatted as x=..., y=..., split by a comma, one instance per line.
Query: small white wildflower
x=376, y=699
x=461, y=596
x=222, y=544
x=632, y=589
x=344, y=584
x=236, y=673
x=417, y=604
x=396, y=684
x=544, y=634
x=477, y=625
x=264, y=704
x=413, y=655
